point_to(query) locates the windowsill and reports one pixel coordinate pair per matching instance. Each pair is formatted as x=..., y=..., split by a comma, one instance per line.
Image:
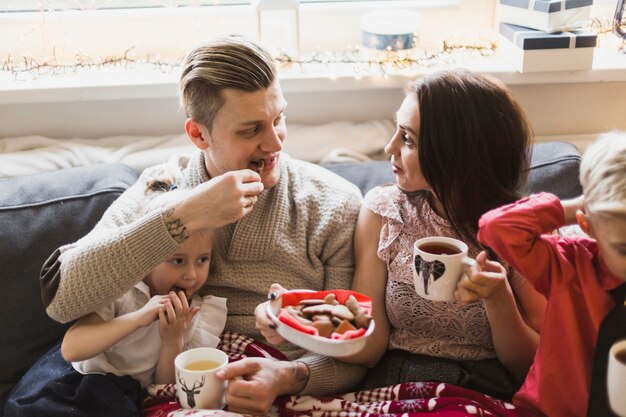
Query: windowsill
x=117, y=83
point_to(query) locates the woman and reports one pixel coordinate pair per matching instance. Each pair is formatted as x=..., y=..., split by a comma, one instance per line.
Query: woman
x=461, y=148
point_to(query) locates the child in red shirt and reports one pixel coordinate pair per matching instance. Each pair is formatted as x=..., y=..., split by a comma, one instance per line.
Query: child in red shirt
x=576, y=274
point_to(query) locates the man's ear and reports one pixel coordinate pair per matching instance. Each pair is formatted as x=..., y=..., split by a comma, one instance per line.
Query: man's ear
x=584, y=223
x=197, y=133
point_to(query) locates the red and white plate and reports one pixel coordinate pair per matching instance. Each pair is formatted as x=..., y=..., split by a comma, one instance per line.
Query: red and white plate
x=307, y=337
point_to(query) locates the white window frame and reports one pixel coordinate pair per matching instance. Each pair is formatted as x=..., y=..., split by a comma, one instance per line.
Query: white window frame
x=19, y=5
x=21, y=32
x=138, y=103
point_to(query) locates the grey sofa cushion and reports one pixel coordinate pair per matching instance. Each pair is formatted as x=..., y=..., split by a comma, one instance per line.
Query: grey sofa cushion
x=38, y=214
x=554, y=168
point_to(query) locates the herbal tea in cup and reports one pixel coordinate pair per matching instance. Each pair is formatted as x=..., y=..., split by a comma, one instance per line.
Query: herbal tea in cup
x=202, y=365
x=196, y=384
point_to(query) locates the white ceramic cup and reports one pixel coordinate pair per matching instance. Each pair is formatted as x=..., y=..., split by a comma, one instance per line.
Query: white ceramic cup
x=616, y=378
x=438, y=263
x=200, y=388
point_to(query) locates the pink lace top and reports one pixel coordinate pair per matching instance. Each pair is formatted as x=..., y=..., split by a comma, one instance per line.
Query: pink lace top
x=435, y=328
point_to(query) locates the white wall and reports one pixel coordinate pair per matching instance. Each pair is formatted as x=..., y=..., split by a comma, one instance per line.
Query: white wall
x=563, y=110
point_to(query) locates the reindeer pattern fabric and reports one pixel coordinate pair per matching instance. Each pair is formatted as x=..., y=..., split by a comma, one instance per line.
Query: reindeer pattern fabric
x=411, y=399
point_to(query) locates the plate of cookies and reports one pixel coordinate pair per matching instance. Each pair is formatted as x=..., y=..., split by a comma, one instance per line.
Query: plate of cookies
x=333, y=323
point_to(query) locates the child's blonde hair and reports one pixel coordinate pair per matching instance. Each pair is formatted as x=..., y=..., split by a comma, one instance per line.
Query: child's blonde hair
x=603, y=175
x=162, y=190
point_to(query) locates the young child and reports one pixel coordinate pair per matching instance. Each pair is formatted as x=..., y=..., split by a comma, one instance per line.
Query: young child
x=580, y=276
x=132, y=342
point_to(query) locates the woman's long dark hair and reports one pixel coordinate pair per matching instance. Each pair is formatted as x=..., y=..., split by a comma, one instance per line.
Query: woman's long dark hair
x=474, y=144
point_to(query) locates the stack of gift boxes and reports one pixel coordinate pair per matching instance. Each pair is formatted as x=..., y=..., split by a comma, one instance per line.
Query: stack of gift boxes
x=546, y=35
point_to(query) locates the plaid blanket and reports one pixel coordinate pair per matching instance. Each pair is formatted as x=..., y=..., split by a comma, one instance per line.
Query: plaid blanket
x=402, y=400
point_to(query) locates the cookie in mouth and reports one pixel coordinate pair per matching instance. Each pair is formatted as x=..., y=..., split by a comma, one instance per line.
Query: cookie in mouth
x=259, y=165
x=176, y=289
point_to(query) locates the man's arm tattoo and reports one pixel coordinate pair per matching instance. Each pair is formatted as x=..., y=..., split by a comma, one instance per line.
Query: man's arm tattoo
x=175, y=227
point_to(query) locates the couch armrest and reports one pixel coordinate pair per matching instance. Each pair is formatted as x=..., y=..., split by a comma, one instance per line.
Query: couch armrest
x=39, y=213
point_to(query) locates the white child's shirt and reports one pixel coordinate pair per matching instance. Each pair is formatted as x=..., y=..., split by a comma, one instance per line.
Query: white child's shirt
x=137, y=354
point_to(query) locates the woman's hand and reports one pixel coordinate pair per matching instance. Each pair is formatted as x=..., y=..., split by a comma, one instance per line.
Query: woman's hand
x=175, y=317
x=486, y=281
x=254, y=383
x=263, y=322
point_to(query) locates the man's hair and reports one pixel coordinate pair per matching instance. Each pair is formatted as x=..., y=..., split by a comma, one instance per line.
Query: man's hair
x=603, y=175
x=226, y=62
x=473, y=145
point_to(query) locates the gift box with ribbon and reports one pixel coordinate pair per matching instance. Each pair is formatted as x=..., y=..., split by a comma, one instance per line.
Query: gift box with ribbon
x=530, y=50
x=390, y=30
x=546, y=15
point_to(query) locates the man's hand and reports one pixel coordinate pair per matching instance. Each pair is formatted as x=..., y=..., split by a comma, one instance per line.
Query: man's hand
x=215, y=203
x=254, y=383
x=263, y=322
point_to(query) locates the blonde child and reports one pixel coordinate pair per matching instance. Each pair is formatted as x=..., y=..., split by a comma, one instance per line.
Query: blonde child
x=582, y=278
x=132, y=342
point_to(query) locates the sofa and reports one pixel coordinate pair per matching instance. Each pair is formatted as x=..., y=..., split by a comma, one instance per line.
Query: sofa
x=41, y=212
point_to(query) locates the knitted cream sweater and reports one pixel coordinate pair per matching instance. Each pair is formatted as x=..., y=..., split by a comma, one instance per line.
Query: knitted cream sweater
x=299, y=234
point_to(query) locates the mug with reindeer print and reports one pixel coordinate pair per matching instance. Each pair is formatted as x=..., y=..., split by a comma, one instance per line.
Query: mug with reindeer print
x=196, y=384
x=438, y=263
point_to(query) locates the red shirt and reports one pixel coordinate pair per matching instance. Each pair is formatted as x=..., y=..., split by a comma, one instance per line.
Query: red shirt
x=575, y=281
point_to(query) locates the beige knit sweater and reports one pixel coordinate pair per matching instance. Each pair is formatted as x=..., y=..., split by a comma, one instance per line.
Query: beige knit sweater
x=299, y=234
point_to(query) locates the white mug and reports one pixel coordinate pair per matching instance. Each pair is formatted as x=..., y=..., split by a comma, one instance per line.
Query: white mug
x=438, y=263
x=616, y=378
x=196, y=384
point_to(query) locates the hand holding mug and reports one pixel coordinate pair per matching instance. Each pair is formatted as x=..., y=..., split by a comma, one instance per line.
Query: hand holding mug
x=254, y=383
x=485, y=280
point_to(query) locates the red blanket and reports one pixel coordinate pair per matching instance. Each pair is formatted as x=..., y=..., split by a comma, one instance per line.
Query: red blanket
x=406, y=400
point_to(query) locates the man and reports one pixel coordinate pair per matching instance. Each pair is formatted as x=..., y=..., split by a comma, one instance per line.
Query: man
x=280, y=220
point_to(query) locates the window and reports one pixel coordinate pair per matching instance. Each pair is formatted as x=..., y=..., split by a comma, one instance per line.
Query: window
x=47, y=5
x=63, y=31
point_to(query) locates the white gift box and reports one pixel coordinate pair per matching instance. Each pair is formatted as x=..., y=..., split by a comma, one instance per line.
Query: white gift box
x=390, y=29
x=546, y=15
x=530, y=50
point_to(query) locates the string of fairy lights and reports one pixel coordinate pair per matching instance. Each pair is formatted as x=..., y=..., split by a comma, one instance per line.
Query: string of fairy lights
x=360, y=62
